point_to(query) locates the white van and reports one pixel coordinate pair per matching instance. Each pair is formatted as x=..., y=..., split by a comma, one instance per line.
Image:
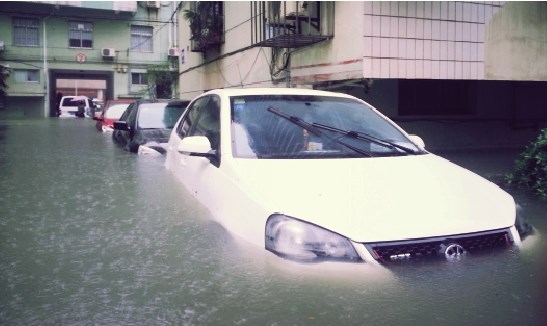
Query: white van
x=69, y=106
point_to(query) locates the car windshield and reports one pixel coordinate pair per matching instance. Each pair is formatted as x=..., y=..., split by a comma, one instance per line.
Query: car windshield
x=158, y=115
x=116, y=111
x=296, y=126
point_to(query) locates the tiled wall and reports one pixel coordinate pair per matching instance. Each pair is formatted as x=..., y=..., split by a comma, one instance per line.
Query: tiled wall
x=430, y=40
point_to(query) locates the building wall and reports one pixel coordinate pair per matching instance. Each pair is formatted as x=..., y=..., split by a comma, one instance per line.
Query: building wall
x=54, y=57
x=517, y=42
x=339, y=58
x=431, y=40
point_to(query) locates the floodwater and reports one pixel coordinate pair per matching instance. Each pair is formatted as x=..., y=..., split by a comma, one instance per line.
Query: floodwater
x=90, y=234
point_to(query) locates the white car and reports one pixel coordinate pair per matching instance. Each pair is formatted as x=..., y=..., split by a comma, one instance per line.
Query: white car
x=312, y=176
x=68, y=107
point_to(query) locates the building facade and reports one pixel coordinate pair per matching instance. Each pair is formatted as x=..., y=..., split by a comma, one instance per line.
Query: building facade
x=104, y=50
x=459, y=74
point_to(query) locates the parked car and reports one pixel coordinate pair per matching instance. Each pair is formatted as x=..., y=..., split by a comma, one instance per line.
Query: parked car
x=147, y=121
x=112, y=111
x=312, y=176
x=70, y=106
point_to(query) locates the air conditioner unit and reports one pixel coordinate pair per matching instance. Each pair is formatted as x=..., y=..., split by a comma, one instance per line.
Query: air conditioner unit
x=108, y=52
x=153, y=4
x=173, y=52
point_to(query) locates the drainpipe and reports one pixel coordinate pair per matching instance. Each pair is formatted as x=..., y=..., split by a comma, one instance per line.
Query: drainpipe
x=46, y=68
x=175, y=21
x=170, y=29
x=46, y=71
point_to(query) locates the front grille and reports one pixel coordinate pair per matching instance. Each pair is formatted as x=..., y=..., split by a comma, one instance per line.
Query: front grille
x=436, y=247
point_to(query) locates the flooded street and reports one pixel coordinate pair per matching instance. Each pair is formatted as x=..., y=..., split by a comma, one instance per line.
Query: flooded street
x=90, y=234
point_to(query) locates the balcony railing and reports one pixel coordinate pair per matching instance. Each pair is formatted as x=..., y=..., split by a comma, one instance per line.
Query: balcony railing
x=291, y=24
x=206, y=20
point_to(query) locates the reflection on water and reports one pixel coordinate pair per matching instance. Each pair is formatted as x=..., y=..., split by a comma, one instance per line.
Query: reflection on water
x=90, y=234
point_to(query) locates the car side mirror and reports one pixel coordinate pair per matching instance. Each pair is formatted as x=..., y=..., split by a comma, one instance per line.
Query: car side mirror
x=121, y=125
x=418, y=141
x=196, y=146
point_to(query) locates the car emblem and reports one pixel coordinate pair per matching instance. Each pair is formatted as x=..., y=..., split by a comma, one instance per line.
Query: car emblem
x=454, y=251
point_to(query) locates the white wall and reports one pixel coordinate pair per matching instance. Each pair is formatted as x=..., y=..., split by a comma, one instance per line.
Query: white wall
x=517, y=42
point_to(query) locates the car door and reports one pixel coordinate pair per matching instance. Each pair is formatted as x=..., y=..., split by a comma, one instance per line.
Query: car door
x=198, y=173
x=121, y=136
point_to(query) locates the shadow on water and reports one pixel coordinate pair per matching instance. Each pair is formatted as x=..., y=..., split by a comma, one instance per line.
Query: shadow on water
x=90, y=234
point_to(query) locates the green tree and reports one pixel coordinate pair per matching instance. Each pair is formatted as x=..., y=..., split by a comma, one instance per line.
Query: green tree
x=531, y=167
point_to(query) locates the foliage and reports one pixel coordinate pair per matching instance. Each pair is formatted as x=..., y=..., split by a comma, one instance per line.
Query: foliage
x=206, y=22
x=162, y=77
x=531, y=167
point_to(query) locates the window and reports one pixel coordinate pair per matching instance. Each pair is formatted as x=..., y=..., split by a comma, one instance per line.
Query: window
x=26, y=76
x=138, y=78
x=80, y=35
x=141, y=38
x=188, y=122
x=25, y=32
x=203, y=119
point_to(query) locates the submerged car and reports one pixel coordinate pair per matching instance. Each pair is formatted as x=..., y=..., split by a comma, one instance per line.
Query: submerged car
x=111, y=113
x=313, y=176
x=70, y=106
x=146, y=121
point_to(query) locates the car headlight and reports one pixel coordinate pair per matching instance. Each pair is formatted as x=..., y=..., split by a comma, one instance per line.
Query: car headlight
x=295, y=239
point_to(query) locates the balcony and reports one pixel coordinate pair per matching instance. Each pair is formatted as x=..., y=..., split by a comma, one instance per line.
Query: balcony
x=291, y=24
x=206, y=20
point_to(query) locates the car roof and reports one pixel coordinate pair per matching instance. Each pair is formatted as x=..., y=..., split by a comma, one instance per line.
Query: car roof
x=121, y=101
x=178, y=103
x=275, y=91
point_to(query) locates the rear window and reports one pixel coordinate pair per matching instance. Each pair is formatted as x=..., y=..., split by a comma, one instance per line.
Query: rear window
x=70, y=101
x=158, y=116
x=116, y=111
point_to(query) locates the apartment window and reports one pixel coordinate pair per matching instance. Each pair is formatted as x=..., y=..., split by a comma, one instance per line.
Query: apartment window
x=80, y=35
x=25, y=32
x=141, y=38
x=138, y=78
x=26, y=76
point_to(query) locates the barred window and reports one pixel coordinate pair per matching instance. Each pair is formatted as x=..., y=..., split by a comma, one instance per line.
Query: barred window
x=25, y=32
x=80, y=35
x=141, y=38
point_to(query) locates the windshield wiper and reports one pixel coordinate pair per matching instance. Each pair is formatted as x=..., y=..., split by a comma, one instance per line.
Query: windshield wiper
x=296, y=120
x=365, y=136
x=311, y=128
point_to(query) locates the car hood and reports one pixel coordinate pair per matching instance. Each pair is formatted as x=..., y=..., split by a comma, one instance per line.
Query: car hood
x=379, y=199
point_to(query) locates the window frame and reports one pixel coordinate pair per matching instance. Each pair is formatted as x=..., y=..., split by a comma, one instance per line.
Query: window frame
x=81, y=32
x=141, y=76
x=28, y=74
x=30, y=26
x=141, y=38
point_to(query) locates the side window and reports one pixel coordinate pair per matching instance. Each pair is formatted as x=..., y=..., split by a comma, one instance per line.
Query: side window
x=126, y=113
x=190, y=116
x=132, y=116
x=207, y=123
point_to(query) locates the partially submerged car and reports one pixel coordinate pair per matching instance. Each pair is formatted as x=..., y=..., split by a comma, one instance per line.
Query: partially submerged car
x=72, y=106
x=111, y=113
x=312, y=176
x=146, y=121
